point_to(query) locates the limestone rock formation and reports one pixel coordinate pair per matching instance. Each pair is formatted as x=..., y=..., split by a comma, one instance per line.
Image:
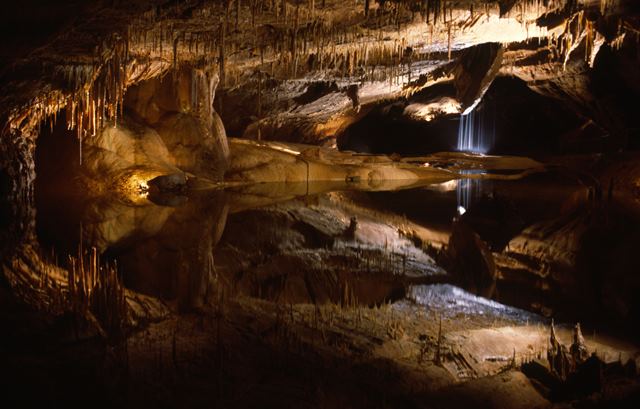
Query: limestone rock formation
x=144, y=93
x=474, y=72
x=179, y=105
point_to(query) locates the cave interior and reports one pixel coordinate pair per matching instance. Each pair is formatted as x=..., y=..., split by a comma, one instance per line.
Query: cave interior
x=320, y=203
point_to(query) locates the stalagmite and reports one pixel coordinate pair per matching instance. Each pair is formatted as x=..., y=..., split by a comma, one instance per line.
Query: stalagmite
x=578, y=348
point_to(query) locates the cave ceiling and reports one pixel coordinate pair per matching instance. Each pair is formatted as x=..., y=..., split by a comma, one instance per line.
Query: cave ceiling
x=88, y=53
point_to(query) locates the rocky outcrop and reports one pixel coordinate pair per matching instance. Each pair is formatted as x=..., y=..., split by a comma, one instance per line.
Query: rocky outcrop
x=123, y=158
x=179, y=105
x=259, y=162
x=474, y=73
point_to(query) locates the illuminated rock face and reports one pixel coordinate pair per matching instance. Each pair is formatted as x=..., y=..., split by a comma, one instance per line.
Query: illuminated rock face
x=124, y=158
x=475, y=71
x=179, y=106
x=170, y=128
x=268, y=56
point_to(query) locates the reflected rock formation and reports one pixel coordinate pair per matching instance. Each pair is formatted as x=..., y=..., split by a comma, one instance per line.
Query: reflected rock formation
x=165, y=252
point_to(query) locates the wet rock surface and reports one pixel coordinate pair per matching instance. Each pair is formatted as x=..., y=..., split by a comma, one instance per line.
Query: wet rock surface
x=179, y=106
x=169, y=183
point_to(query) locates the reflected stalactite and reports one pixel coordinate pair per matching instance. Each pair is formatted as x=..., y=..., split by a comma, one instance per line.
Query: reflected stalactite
x=468, y=191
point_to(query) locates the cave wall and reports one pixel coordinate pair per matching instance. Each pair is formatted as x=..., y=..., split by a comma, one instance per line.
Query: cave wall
x=17, y=173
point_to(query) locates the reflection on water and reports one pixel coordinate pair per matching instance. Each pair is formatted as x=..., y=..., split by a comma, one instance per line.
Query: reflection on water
x=476, y=134
x=303, y=243
x=468, y=191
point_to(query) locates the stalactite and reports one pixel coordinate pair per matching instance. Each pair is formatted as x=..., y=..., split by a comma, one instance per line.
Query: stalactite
x=294, y=53
x=449, y=41
x=616, y=43
x=175, y=53
x=227, y=11
x=221, y=61
x=96, y=92
x=237, y=15
x=254, y=5
x=588, y=40
x=259, y=95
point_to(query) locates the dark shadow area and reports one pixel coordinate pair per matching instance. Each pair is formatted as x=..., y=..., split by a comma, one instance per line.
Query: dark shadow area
x=544, y=127
x=58, y=195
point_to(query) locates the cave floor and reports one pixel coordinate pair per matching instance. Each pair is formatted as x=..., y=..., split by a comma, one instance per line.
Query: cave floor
x=244, y=352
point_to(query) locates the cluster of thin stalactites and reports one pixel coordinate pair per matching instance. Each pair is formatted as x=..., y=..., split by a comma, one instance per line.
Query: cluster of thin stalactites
x=279, y=39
